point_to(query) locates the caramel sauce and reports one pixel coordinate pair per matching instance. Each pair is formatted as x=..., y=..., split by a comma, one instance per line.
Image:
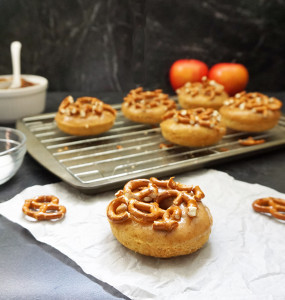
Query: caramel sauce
x=24, y=83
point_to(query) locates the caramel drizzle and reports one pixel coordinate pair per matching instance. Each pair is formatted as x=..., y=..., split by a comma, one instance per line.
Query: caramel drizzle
x=207, y=117
x=140, y=201
x=84, y=106
x=256, y=102
x=141, y=99
x=206, y=88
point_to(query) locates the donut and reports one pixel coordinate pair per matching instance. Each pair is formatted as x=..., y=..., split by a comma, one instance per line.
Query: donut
x=146, y=106
x=85, y=116
x=252, y=112
x=196, y=127
x=160, y=218
x=207, y=93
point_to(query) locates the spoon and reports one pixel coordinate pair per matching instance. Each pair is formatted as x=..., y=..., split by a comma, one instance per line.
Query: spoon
x=16, y=64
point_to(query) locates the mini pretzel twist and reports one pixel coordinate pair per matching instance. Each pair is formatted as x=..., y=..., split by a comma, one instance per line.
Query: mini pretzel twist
x=169, y=219
x=141, y=201
x=141, y=99
x=273, y=206
x=256, y=102
x=206, y=117
x=44, y=208
x=84, y=106
x=206, y=88
x=145, y=190
x=144, y=212
x=117, y=211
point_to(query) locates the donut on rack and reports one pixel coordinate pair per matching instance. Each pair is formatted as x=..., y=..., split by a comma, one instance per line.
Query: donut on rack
x=195, y=127
x=160, y=218
x=252, y=112
x=207, y=93
x=146, y=106
x=85, y=116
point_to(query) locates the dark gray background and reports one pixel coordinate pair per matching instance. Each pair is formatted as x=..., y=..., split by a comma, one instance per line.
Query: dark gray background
x=108, y=45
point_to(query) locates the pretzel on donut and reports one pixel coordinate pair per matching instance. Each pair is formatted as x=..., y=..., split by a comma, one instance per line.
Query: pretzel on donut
x=84, y=106
x=44, y=208
x=208, y=88
x=141, y=201
x=273, y=206
x=256, y=102
x=207, y=117
x=118, y=210
x=144, y=212
x=141, y=99
x=169, y=219
x=140, y=189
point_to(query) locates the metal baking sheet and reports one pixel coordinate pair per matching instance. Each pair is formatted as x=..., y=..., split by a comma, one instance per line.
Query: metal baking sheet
x=129, y=150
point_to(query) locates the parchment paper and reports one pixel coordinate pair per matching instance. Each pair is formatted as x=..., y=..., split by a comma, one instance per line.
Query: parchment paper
x=243, y=259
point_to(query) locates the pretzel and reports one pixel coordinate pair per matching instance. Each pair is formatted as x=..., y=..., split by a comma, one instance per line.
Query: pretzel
x=256, y=102
x=207, y=88
x=273, y=206
x=141, y=200
x=141, y=99
x=144, y=212
x=207, y=117
x=84, y=106
x=250, y=141
x=118, y=210
x=146, y=191
x=44, y=208
x=169, y=219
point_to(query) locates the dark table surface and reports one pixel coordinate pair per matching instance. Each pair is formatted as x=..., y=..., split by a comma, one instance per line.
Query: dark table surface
x=33, y=270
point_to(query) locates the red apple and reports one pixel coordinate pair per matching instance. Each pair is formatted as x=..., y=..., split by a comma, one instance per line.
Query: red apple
x=233, y=76
x=184, y=70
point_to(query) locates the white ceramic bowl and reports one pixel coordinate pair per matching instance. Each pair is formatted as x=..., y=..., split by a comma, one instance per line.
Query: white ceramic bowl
x=22, y=102
x=12, y=152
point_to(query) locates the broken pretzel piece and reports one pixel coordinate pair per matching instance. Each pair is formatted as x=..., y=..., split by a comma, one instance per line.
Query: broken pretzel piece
x=250, y=141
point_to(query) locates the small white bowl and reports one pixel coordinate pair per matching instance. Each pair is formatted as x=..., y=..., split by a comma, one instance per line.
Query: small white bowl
x=12, y=152
x=22, y=102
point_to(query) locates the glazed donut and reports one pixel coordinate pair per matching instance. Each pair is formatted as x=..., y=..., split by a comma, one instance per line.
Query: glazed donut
x=160, y=218
x=195, y=127
x=207, y=93
x=85, y=116
x=252, y=112
x=146, y=106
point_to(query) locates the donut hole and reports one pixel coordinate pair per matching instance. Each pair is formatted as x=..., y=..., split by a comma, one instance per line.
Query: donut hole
x=166, y=203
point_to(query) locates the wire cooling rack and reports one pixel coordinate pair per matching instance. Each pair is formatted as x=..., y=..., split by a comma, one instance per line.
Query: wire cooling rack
x=129, y=150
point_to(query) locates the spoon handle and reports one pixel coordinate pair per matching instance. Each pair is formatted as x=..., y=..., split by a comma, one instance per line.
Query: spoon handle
x=16, y=64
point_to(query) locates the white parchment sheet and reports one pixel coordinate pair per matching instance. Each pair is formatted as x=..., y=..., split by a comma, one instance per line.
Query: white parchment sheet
x=243, y=259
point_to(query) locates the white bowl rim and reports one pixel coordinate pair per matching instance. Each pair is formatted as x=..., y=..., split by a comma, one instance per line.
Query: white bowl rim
x=41, y=83
x=20, y=145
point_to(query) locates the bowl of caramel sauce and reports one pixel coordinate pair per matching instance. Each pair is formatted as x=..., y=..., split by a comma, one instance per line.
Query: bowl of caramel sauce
x=27, y=100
